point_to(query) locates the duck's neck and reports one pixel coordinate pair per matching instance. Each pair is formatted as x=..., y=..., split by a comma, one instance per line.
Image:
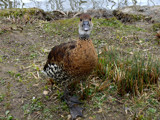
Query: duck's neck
x=84, y=37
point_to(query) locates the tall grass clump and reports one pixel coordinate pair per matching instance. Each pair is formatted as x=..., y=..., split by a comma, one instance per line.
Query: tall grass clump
x=131, y=73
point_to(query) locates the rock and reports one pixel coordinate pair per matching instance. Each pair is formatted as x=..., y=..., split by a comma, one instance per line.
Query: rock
x=45, y=92
x=69, y=117
x=101, y=13
x=136, y=13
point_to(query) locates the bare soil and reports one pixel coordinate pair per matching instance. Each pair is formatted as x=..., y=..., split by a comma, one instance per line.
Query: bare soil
x=22, y=56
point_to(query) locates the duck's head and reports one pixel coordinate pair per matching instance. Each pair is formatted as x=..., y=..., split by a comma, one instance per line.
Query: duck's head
x=85, y=26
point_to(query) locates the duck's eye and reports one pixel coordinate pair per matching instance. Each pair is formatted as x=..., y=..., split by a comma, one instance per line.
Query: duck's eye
x=90, y=19
x=80, y=19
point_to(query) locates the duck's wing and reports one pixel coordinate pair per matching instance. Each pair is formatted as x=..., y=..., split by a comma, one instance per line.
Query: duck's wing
x=58, y=53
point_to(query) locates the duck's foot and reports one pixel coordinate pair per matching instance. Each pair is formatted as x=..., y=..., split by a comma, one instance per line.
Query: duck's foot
x=76, y=112
x=73, y=102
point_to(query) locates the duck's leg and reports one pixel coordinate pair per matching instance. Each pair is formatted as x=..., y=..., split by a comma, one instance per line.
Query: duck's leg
x=51, y=83
x=72, y=102
x=84, y=90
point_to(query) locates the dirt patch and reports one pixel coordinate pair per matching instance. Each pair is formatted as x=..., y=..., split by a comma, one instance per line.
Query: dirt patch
x=23, y=54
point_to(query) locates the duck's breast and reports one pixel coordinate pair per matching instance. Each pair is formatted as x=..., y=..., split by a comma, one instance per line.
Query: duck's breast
x=82, y=60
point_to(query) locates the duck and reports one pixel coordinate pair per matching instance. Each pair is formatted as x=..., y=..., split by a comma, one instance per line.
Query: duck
x=72, y=62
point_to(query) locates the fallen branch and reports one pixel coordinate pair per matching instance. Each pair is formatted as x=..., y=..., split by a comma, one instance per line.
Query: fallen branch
x=77, y=14
x=61, y=12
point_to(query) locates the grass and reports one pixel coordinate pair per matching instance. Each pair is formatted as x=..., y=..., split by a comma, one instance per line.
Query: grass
x=63, y=28
x=113, y=22
x=69, y=27
x=132, y=76
x=131, y=73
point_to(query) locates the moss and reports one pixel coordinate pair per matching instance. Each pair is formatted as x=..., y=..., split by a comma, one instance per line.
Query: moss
x=17, y=12
x=113, y=22
x=64, y=28
x=156, y=26
x=69, y=27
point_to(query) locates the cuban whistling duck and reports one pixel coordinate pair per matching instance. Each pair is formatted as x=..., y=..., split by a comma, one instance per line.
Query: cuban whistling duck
x=73, y=61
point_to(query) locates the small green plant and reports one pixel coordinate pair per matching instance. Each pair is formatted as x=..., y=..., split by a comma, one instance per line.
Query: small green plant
x=59, y=94
x=35, y=105
x=1, y=97
x=99, y=98
x=7, y=116
x=12, y=73
x=2, y=81
x=33, y=55
x=15, y=75
x=35, y=67
x=156, y=26
x=1, y=60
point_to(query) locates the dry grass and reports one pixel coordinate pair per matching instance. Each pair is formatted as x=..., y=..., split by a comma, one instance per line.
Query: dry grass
x=131, y=73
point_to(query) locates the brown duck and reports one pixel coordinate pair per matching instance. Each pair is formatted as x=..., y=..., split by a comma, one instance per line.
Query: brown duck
x=73, y=61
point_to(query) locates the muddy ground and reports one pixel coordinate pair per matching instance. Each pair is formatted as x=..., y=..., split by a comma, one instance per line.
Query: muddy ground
x=25, y=93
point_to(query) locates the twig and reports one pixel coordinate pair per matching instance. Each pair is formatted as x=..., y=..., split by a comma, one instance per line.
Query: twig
x=53, y=95
x=60, y=12
x=34, y=76
x=24, y=68
x=77, y=14
x=38, y=74
x=36, y=117
x=57, y=87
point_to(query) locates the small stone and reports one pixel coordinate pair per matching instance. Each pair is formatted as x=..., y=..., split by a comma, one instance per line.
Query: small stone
x=35, y=85
x=69, y=117
x=131, y=53
x=45, y=92
x=62, y=116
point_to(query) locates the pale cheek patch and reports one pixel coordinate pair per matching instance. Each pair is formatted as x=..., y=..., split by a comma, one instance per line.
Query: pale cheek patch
x=82, y=32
